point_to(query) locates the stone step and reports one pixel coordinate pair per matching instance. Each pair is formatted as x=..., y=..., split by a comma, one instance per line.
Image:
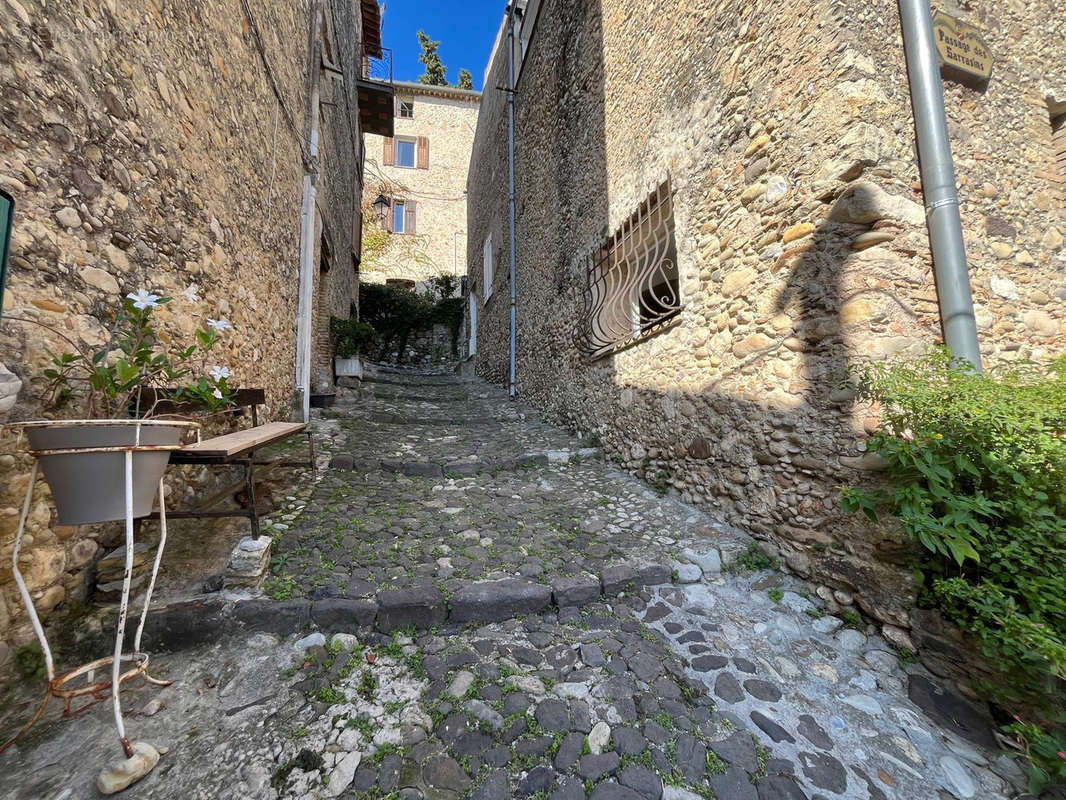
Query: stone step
x=422, y=607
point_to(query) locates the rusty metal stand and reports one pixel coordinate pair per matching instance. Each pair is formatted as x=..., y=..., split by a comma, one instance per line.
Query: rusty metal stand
x=98, y=690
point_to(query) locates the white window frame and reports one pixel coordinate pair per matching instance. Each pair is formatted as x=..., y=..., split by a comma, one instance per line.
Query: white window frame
x=403, y=103
x=414, y=151
x=472, y=348
x=488, y=268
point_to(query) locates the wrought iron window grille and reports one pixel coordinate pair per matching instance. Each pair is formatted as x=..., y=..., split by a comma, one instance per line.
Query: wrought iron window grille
x=632, y=287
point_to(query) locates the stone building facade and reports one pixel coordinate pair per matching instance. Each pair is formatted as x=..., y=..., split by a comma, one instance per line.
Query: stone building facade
x=786, y=147
x=165, y=147
x=423, y=167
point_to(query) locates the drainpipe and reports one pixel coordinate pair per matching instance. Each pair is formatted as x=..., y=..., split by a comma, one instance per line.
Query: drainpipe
x=938, y=183
x=510, y=196
x=307, y=241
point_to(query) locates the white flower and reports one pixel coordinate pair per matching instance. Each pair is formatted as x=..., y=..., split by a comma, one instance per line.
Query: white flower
x=142, y=299
x=219, y=324
x=217, y=393
x=218, y=373
x=190, y=293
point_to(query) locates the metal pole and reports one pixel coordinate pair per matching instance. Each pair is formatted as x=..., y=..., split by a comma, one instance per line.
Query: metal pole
x=305, y=304
x=123, y=607
x=938, y=183
x=510, y=198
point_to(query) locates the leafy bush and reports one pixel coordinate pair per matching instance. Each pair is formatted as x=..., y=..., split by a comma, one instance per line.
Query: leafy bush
x=396, y=312
x=350, y=336
x=976, y=467
x=1045, y=751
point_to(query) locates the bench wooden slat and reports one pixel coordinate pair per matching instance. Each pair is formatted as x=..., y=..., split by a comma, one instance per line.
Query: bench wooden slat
x=234, y=444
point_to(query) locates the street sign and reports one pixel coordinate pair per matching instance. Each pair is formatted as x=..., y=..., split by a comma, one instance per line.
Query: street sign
x=7, y=213
x=963, y=53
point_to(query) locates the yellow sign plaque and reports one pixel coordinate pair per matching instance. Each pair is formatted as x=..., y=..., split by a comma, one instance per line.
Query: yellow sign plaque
x=962, y=51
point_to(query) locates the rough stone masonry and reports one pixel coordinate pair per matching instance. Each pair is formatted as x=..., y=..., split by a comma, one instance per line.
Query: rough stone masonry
x=801, y=245
x=161, y=146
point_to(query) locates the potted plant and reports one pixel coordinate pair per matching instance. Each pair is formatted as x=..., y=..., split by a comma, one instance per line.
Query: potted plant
x=120, y=387
x=351, y=338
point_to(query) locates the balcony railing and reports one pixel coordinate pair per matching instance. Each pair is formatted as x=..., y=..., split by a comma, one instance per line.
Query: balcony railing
x=377, y=68
x=376, y=94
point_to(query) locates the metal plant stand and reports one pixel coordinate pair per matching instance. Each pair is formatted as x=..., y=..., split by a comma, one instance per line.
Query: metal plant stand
x=98, y=690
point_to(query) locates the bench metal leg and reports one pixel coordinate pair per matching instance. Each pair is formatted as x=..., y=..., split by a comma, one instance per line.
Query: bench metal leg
x=249, y=482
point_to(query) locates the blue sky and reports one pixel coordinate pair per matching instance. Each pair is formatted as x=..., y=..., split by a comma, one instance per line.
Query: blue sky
x=466, y=31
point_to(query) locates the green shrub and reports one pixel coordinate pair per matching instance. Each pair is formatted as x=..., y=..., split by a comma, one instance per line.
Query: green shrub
x=1045, y=751
x=350, y=336
x=396, y=312
x=976, y=467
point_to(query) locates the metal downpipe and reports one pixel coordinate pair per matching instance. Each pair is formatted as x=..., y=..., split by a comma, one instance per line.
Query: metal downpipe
x=953, y=291
x=512, y=383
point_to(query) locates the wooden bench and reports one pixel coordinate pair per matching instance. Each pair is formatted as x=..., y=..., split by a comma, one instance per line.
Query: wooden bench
x=239, y=448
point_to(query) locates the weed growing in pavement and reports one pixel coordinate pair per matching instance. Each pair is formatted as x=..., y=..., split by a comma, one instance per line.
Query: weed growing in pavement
x=852, y=619
x=754, y=559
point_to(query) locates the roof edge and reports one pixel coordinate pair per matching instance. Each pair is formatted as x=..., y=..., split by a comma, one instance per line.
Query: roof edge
x=413, y=87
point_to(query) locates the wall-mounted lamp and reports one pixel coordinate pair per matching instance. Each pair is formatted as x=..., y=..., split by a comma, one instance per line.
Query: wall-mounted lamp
x=381, y=208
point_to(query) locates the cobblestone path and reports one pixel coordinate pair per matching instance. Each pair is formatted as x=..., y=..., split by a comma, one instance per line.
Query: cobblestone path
x=598, y=640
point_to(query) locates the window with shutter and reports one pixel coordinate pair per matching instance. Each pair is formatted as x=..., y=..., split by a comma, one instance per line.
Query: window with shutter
x=409, y=217
x=1057, y=114
x=405, y=152
x=389, y=156
x=487, y=291
x=398, y=216
x=423, y=152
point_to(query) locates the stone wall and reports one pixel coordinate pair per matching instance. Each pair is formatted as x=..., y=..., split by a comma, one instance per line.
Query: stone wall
x=425, y=347
x=447, y=118
x=162, y=146
x=788, y=143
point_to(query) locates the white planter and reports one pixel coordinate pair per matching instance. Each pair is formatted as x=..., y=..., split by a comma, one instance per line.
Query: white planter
x=348, y=367
x=83, y=462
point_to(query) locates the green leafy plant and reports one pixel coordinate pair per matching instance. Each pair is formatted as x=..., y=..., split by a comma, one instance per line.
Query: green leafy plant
x=327, y=694
x=755, y=559
x=715, y=765
x=852, y=619
x=775, y=594
x=29, y=661
x=350, y=336
x=976, y=475
x=396, y=312
x=137, y=368
x=1044, y=750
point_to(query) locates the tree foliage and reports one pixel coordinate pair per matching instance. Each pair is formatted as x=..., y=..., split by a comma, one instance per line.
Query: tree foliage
x=435, y=74
x=466, y=80
x=396, y=312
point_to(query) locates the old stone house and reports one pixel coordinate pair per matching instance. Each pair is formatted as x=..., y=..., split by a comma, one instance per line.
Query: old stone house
x=211, y=152
x=421, y=172
x=718, y=211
